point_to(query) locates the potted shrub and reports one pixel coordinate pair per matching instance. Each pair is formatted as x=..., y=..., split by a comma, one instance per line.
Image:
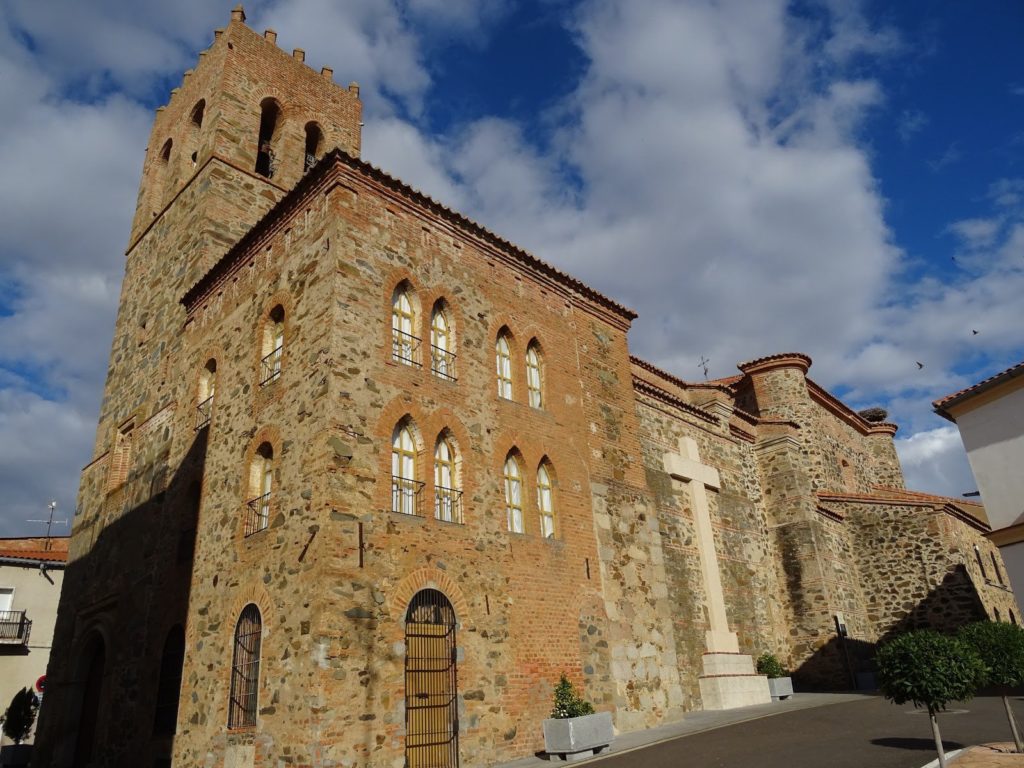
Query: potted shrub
x=929, y=670
x=1000, y=646
x=574, y=731
x=779, y=682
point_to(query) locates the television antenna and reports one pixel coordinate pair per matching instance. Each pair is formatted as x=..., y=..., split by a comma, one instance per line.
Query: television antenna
x=50, y=522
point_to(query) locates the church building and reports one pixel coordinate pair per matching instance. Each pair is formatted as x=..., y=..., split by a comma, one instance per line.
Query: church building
x=369, y=477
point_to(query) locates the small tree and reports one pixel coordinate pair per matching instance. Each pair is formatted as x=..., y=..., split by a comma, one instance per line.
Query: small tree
x=568, y=703
x=1000, y=646
x=20, y=716
x=769, y=664
x=930, y=670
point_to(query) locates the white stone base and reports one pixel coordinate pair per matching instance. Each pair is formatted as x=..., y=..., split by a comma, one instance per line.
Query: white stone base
x=729, y=681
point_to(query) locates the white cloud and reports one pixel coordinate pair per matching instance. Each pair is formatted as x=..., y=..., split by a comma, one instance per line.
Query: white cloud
x=935, y=460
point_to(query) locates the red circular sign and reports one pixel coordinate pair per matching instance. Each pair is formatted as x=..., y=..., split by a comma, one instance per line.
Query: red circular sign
x=41, y=683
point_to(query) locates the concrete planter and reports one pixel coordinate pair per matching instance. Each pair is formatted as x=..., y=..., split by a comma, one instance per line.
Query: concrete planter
x=780, y=687
x=577, y=738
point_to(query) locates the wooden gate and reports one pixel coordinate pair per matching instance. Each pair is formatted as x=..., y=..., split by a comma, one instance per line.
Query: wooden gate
x=431, y=687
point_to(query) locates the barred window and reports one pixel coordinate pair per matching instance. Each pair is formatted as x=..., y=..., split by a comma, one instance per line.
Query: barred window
x=447, y=494
x=442, y=346
x=404, y=486
x=261, y=484
x=405, y=345
x=245, y=669
x=504, y=362
x=533, y=375
x=545, y=503
x=513, y=495
x=273, y=347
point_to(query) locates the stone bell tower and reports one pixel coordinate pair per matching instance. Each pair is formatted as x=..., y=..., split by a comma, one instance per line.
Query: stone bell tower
x=236, y=136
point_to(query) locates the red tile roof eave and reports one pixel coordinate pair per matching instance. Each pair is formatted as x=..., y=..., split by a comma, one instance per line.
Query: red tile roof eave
x=205, y=285
x=942, y=404
x=31, y=557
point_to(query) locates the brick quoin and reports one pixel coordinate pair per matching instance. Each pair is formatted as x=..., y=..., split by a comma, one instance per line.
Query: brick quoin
x=810, y=518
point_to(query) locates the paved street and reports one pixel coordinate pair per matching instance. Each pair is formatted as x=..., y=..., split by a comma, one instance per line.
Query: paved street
x=864, y=733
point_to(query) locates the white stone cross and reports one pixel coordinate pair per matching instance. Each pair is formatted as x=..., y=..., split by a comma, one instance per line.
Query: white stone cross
x=686, y=466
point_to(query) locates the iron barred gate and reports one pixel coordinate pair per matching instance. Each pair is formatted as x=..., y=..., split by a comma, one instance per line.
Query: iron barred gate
x=431, y=686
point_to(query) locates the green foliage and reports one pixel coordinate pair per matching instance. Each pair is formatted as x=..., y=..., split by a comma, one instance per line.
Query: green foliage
x=568, y=703
x=769, y=664
x=20, y=716
x=1000, y=646
x=928, y=669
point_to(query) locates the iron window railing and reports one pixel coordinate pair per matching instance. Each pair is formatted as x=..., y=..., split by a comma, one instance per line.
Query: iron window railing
x=405, y=495
x=442, y=363
x=309, y=162
x=257, y=516
x=448, y=504
x=405, y=348
x=15, y=628
x=245, y=669
x=270, y=367
x=204, y=411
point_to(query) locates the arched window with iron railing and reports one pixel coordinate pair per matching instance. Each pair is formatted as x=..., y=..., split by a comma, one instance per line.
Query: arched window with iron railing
x=261, y=488
x=447, y=488
x=270, y=116
x=314, y=146
x=405, y=487
x=405, y=344
x=442, y=344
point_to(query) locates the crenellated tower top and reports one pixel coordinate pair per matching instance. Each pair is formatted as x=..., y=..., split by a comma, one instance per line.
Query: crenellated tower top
x=252, y=106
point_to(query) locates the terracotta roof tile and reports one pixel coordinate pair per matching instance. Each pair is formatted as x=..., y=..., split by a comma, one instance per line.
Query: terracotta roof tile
x=49, y=556
x=942, y=404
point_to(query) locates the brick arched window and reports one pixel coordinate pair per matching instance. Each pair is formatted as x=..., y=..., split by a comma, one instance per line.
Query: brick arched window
x=261, y=488
x=546, y=500
x=270, y=116
x=534, y=375
x=447, y=488
x=245, y=669
x=405, y=488
x=168, y=688
x=207, y=389
x=194, y=124
x=514, y=494
x=442, y=343
x=272, y=347
x=503, y=356
x=405, y=345
x=314, y=146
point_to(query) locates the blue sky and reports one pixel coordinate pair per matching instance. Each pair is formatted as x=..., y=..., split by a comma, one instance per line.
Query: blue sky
x=837, y=177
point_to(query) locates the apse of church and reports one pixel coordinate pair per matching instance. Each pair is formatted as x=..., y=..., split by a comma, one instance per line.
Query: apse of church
x=388, y=475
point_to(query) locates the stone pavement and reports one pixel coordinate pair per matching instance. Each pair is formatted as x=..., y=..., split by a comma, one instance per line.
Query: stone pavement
x=807, y=731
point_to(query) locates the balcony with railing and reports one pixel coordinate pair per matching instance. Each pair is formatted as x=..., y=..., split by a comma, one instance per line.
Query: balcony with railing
x=405, y=348
x=442, y=363
x=15, y=628
x=447, y=504
x=257, y=514
x=270, y=367
x=204, y=411
x=405, y=495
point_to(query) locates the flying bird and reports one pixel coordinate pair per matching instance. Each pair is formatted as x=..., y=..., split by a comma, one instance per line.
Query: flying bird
x=974, y=332
x=919, y=365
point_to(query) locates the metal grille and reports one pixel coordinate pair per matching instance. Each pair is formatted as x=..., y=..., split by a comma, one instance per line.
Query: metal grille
x=405, y=495
x=257, y=514
x=309, y=162
x=203, y=413
x=245, y=669
x=447, y=504
x=405, y=348
x=270, y=367
x=431, y=685
x=14, y=627
x=442, y=363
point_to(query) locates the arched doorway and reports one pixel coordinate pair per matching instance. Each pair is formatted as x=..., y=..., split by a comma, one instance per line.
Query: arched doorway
x=94, y=659
x=431, y=683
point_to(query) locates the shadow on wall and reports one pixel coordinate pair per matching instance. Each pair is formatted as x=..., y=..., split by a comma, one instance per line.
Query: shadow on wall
x=848, y=663
x=114, y=675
